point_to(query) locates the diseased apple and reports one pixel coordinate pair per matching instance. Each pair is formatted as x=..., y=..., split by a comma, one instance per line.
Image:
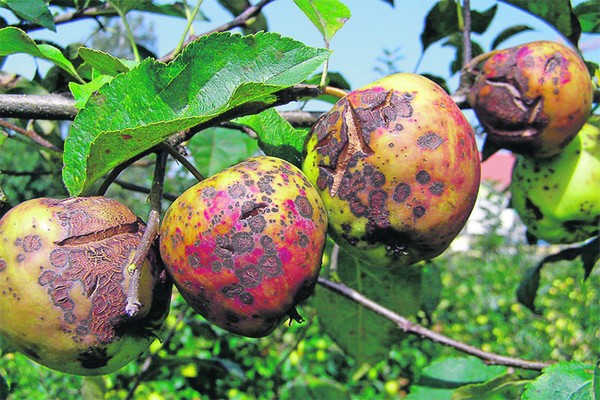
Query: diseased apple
x=397, y=167
x=244, y=246
x=63, y=284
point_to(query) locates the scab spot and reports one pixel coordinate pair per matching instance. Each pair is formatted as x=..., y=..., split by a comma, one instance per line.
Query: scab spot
x=242, y=242
x=419, y=211
x=423, y=177
x=271, y=265
x=208, y=193
x=246, y=298
x=437, y=188
x=401, y=192
x=59, y=258
x=2, y=265
x=430, y=141
x=304, y=207
x=237, y=191
x=250, y=276
x=193, y=260
x=31, y=243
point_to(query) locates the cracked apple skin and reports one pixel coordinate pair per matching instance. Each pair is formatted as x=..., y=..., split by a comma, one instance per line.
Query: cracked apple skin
x=558, y=198
x=398, y=169
x=532, y=99
x=244, y=246
x=63, y=284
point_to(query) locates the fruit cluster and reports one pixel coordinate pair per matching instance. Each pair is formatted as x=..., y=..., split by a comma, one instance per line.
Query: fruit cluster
x=391, y=173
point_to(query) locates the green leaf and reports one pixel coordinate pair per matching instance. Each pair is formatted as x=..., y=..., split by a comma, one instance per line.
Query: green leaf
x=276, y=136
x=327, y=15
x=362, y=334
x=508, y=33
x=442, y=21
x=588, y=13
x=35, y=11
x=596, y=382
x=14, y=40
x=217, y=148
x=491, y=389
x=442, y=377
x=102, y=62
x=562, y=381
x=557, y=13
x=146, y=105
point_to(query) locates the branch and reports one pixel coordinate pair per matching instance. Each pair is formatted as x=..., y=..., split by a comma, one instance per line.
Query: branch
x=239, y=21
x=466, y=32
x=32, y=106
x=415, y=329
x=90, y=12
x=30, y=134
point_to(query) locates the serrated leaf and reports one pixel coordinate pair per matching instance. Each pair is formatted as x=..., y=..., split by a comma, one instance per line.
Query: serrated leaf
x=442, y=377
x=508, y=33
x=276, y=136
x=93, y=387
x=363, y=334
x=14, y=40
x=82, y=93
x=35, y=11
x=557, y=13
x=327, y=15
x=562, y=381
x=102, y=62
x=217, y=148
x=144, y=106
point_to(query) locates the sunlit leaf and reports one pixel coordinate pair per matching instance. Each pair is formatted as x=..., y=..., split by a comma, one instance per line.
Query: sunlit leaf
x=588, y=13
x=491, y=389
x=562, y=381
x=35, y=11
x=327, y=15
x=557, y=13
x=217, y=148
x=144, y=106
x=102, y=62
x=14, y=40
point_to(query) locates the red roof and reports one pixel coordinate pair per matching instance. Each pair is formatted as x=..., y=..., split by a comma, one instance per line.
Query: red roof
x=498, y=168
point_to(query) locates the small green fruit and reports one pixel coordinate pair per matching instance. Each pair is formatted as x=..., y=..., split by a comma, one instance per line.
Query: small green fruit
x=244, y=246
x=397, y=167
x=558, y=198
x=64, y=280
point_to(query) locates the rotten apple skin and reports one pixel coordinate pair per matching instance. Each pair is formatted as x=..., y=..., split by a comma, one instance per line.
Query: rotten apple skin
x=398, y=169
x=64, y=280
x=532, y=99
x=244, y=246
x=558, y=198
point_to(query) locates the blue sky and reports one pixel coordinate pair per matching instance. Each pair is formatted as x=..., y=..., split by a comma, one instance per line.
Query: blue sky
x=374, y=26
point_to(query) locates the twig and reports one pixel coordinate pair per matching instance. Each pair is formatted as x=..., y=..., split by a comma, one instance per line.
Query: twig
x=91, y=12
x=149, y=236
x=141, y=189
x=238, y=21
x=184, y=161
x=31, y=135
x=413, y=328
x=150, y=358
x=115, y=172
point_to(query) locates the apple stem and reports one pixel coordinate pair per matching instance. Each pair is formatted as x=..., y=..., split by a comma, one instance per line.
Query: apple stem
x=295, y=316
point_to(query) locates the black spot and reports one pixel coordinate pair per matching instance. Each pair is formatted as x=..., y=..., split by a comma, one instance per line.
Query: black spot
x=232, y=318
x=246, y=298
x=94, y=357
x=533, y=208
